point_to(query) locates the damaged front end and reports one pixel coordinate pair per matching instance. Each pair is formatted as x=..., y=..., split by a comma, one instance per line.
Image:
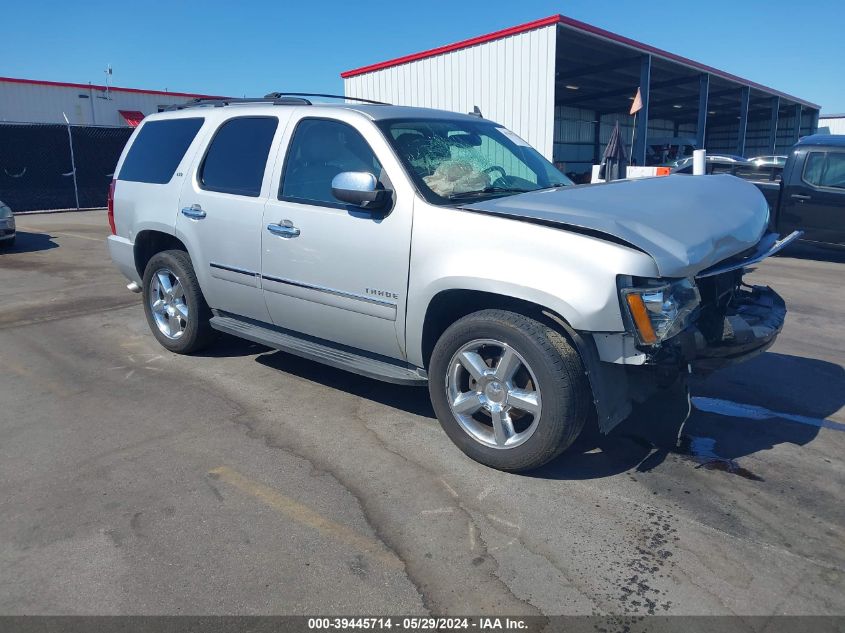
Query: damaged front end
x=710, y=321
x=683, y=326
x=733, y=322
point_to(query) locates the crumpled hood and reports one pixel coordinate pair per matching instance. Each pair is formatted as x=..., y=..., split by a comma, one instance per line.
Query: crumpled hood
x=686, y=223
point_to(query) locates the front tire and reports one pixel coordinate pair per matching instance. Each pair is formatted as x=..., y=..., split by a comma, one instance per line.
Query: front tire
x=174, y=305
x=510, y=391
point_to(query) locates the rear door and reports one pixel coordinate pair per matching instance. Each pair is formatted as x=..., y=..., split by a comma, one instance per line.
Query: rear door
x=221, y=210
x=814, y=199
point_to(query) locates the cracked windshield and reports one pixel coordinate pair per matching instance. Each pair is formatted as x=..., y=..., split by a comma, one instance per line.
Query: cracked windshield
x=457, y=160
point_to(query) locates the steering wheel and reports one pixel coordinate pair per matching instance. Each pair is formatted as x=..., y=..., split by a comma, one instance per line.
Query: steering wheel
x=493, y=168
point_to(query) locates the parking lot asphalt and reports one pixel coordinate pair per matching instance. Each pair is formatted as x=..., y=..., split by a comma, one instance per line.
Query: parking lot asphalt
x=247, y=481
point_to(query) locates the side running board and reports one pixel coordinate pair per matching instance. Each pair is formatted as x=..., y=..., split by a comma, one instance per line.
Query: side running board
x=321, y=352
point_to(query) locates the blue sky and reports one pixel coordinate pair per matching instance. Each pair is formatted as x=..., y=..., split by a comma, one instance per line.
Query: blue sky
x=256, y=47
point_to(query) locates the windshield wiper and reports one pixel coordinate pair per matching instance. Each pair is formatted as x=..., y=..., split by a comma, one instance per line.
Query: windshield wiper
x=487, y=190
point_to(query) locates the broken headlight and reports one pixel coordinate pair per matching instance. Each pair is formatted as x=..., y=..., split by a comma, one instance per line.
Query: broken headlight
x=659, y=309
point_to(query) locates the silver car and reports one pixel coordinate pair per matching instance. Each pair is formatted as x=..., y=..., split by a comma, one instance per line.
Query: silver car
x=425, y=247
x=7, y=226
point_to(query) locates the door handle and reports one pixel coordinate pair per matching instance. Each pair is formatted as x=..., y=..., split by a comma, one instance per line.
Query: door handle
x=284, y=229
x=194, y=212
x=800, y=196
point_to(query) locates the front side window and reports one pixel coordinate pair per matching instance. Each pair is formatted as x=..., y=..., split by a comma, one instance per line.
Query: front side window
x=158, y=149
x=834, y=171
x=237, y=156
x=319, y=150
x=458, y=160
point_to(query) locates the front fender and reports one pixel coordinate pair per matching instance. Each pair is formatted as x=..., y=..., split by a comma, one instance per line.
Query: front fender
x=569, y=274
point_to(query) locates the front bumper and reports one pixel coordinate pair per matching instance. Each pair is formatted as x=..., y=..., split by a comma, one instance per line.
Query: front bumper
x=749, y=328
x=7, y=229
x=720, y=335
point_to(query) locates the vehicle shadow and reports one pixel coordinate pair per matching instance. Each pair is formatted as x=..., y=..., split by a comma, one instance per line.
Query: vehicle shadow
x=733, y=413
x=412, y=400
x=228, y=346
x=773, y=383
x=26, y=242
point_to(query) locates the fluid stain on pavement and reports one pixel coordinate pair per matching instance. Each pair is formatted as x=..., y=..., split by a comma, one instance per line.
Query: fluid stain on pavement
x=702, y=450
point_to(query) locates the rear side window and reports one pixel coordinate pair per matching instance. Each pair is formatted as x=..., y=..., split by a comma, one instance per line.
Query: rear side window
x=158, y=149
x=237, y=156
x=834, y=171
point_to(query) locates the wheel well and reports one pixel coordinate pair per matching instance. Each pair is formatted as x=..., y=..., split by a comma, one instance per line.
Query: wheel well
x=148, y=243
x=450, y=305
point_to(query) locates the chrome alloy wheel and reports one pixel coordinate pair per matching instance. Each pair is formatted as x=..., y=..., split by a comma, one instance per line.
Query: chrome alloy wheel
x=493, y=393
x=167, y=303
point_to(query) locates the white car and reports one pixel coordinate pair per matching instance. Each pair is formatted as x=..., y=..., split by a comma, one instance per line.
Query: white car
x=420, y=247
x=7, y=226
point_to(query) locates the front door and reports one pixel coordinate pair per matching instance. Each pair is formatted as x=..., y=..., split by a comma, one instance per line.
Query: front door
x=816, y=202
x=221, y=209
x=330, y=270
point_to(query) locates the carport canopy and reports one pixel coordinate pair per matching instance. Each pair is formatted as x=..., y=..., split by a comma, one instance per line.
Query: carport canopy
x=600, y=71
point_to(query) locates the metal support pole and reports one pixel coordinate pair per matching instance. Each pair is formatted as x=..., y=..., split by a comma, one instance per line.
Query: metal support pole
x=796, y=133
x=703, y=93
x=72, y=161
x=814, y=125
x=773, y=129
x=641, y=139
x=744, y=98
x=597, y=138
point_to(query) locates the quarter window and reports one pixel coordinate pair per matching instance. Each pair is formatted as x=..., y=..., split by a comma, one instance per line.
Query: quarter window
x=813, y=168
x=237, y=156
x=158, y=149
x=319, y=151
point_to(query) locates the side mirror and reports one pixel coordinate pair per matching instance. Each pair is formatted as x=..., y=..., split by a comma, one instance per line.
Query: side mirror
x=359, y=188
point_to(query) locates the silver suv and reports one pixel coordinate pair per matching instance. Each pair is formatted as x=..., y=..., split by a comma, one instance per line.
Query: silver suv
x=420, y=246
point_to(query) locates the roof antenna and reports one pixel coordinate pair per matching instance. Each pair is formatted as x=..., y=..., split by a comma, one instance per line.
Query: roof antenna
x=476, y=112
x=108, y=72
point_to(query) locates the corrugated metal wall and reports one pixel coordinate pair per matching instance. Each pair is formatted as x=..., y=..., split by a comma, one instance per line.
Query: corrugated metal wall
x=511, y=80
x=574, y=142
x=723, y=138
x=34, y=103
x=832, y=126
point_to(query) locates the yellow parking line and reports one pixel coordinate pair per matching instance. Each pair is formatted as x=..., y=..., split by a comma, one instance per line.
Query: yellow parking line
x=305, y=515
x=23, y=372
x=81, y=237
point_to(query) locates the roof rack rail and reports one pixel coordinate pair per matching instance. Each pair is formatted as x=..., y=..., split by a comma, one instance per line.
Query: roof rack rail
x=219, y=102
x=320, y=94
x=275, y=98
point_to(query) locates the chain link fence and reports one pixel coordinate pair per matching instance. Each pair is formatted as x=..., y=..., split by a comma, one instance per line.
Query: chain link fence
x=37, y=165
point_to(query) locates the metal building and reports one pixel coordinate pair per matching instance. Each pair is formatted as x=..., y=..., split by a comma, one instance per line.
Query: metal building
x=832, y=124
x=32, y=101
x=562, y=84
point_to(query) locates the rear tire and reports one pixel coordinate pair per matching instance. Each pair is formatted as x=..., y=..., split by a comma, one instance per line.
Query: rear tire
x=510, y=391
x=174, y=305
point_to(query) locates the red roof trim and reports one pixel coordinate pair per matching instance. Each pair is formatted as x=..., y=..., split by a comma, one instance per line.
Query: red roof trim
x=62, y=84
x=132, y=117
x=528, y=26
x=577, y=25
